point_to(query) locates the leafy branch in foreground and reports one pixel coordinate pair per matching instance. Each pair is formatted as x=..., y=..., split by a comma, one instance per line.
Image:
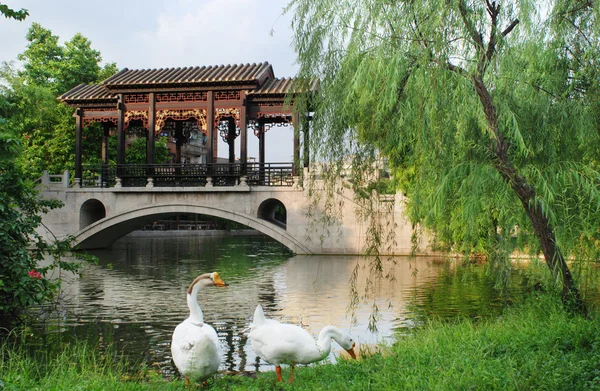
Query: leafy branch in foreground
x=27, y=260
x=486, y=111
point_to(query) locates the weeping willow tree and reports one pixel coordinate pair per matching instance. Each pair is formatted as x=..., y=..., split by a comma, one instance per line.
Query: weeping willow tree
x=487, y=112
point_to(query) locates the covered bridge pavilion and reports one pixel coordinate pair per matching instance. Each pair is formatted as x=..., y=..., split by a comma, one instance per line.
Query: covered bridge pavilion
x=219, y=101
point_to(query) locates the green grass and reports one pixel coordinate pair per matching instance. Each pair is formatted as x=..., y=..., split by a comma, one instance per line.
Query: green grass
x=535, y=346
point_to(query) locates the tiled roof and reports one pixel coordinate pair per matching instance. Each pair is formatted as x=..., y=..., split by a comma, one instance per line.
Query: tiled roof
x=259, y=76
x=281, y=87
x=88, y=92
x=188, y=75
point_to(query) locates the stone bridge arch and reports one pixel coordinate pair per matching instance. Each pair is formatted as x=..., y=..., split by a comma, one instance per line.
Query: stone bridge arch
x=104, y=232
x=91, y=211
x=273, y=211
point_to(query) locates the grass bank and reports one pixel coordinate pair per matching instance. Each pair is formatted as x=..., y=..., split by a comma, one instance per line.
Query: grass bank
x=536, y=346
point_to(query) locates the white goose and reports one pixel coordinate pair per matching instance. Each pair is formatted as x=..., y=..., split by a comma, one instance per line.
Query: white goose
x=195, y=344
x=281, y=343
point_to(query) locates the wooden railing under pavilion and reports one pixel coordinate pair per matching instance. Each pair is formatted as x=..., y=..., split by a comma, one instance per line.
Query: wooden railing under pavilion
x=188, y=175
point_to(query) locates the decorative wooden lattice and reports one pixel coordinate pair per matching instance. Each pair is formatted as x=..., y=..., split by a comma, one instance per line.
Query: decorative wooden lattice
x=268, y=120
x=227, y=95
x=221, y=121
x=109, y=120
x=136, y=98
x=181, y=115
x=181, y=97
x=131, y=115
x=255, y=126
x=222, y=114
x=106, y=119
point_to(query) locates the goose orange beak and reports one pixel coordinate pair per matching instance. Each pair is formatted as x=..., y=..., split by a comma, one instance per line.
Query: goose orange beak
x=219, y=281
x=351, y=351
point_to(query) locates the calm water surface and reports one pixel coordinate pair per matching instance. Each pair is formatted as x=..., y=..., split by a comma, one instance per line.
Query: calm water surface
x=136, y=295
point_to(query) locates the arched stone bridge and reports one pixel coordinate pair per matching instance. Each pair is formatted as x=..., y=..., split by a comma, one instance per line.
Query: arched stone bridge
x=96, y=217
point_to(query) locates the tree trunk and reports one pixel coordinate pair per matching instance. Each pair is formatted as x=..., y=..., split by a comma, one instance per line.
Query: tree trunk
x=541, y=226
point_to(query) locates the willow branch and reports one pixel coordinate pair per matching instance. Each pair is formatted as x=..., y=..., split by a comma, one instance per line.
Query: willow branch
x=510, y=27
x=475, y=35
x=493, y=10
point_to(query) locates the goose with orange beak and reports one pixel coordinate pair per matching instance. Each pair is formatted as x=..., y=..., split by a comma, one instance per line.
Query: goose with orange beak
x=195, y=344
x=280, y=343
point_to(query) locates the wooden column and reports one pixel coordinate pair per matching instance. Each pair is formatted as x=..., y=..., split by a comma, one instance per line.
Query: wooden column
x=120, y=135
x=296, y=125
x=210, y=127
x=261, y=153
x=243, y=135
x=105, y=134
x=261, y=142
x=231, y=139
x=179, y=142
x=151, y=129
x=78, y=145
x=306, y=146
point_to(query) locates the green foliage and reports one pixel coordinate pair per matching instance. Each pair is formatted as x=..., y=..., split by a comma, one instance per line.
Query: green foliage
x=60, y=68
x=44, y=126
x=29, y=104
x=10, y=13
x=23, y=280
x=136, y=152
x=407, y=80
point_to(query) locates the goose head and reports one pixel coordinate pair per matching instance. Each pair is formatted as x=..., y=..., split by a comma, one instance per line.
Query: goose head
x=216, y=279
x=207, y=279
x=348, y=344
x=341, y=337
x=204, y=280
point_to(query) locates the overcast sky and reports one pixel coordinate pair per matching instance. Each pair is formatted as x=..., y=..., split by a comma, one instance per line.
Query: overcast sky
x=140, y=34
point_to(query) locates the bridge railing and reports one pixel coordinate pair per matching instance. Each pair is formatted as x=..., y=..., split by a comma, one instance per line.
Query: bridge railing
x=55, y=182
x=188, y=175
x=270, y=174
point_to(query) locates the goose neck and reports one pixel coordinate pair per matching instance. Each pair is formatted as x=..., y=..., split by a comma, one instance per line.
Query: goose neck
x=196, y=315
x=324, y=340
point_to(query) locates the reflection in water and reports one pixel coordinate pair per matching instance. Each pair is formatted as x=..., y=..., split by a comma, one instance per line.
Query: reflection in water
x=135, y=296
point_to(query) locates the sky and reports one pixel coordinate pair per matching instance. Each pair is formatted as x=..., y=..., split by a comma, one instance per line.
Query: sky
x=139, y=34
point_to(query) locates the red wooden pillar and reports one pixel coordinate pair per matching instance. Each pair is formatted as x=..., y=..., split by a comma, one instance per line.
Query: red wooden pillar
x=244, y=135
x=296, y=125
x=105, y=134
x=180, y=139
x=151, y=129
x=78, y=145
x=261, y=142
x=231, y=139
x=120, y=135
x=261, y=153
x=210, y=128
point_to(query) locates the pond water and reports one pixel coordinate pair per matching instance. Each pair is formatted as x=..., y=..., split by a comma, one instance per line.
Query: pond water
x=135, y=296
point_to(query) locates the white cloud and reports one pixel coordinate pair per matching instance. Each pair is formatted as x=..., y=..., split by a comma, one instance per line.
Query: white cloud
x=215, y=32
